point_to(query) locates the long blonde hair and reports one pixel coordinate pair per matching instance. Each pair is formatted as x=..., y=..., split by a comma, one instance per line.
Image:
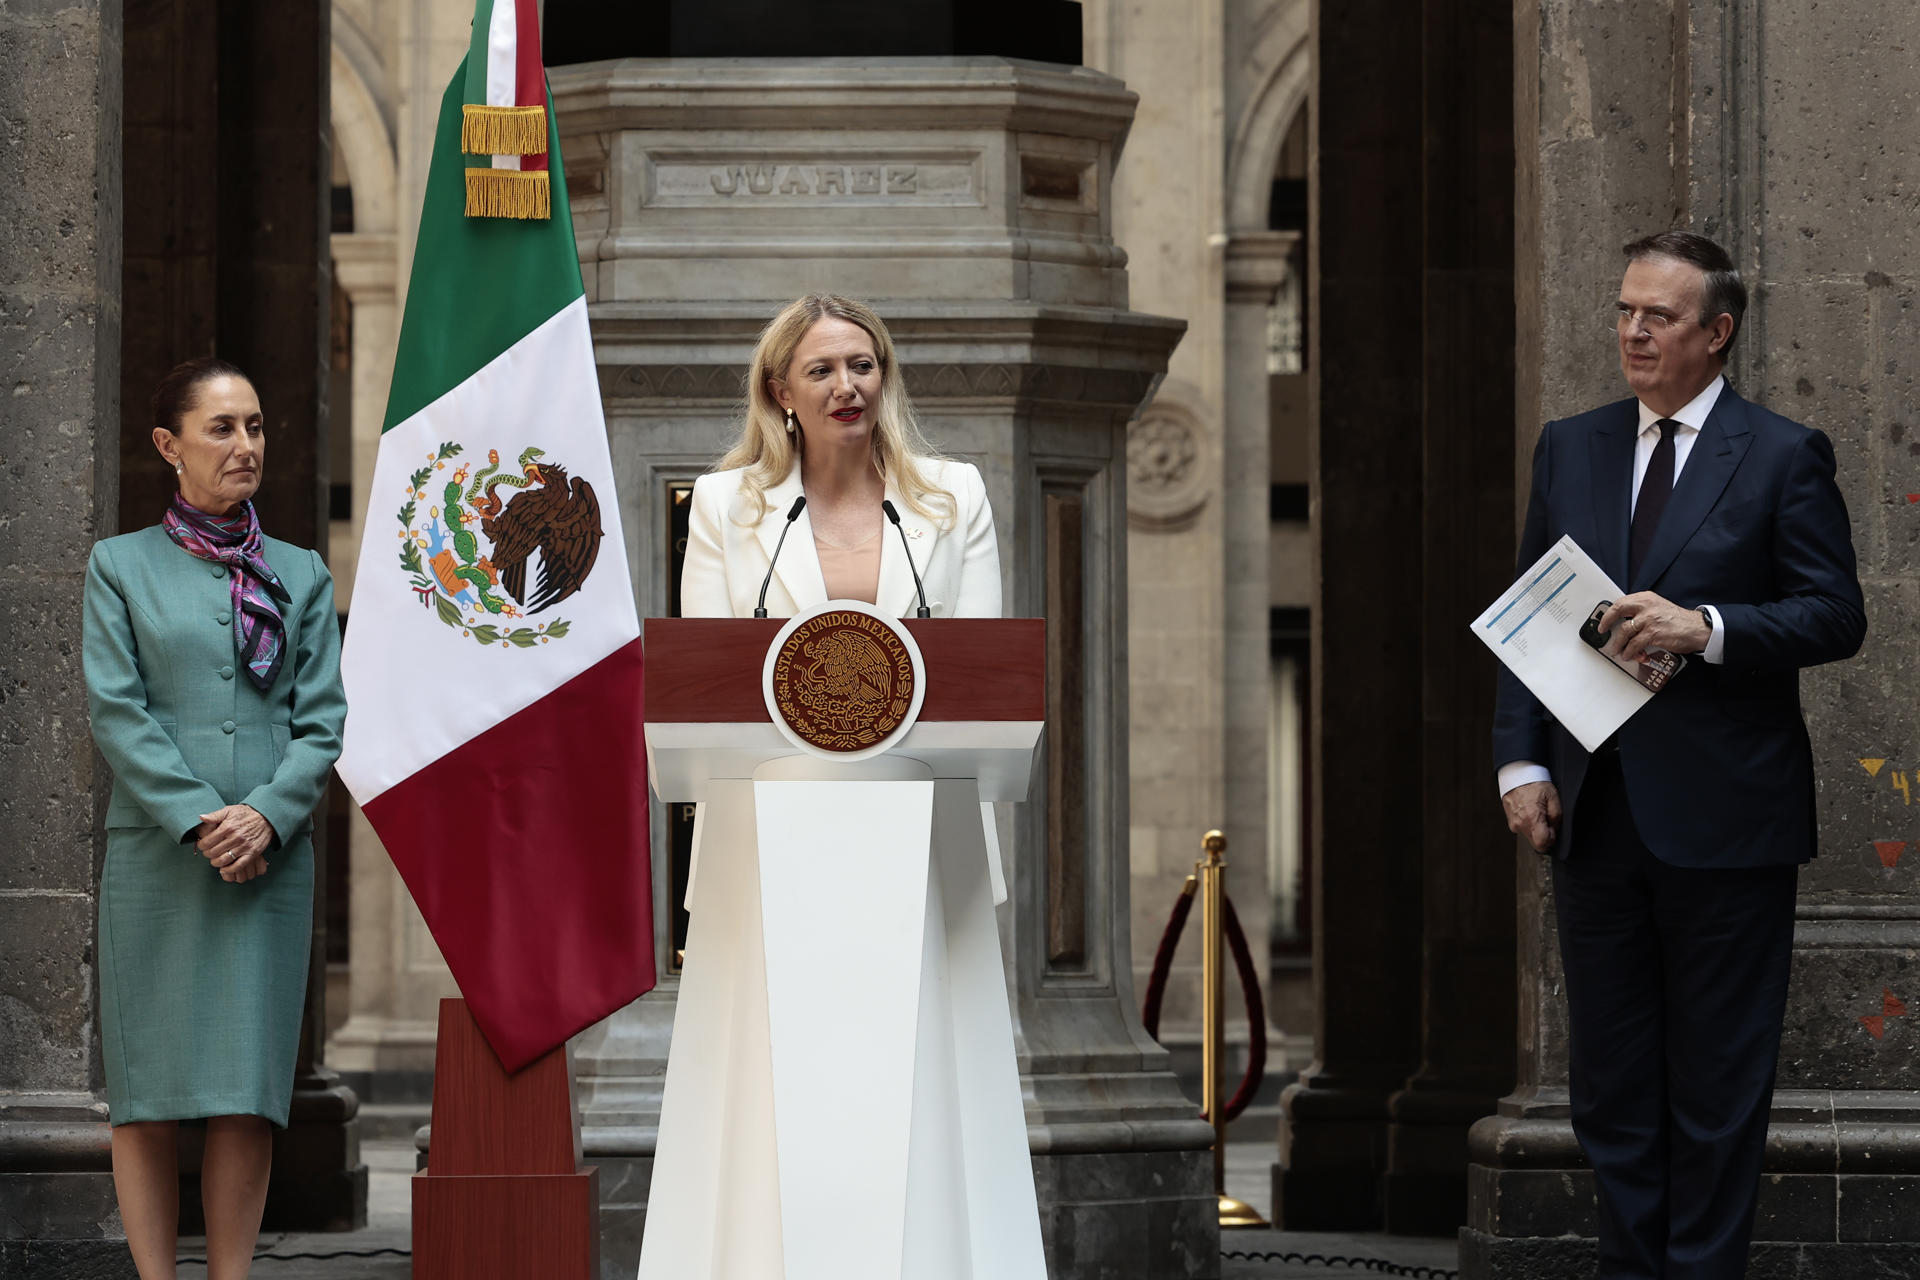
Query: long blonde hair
x=766, y=451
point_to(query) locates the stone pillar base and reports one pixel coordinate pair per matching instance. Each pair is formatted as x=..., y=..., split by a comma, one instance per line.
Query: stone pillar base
x=67, y=1259
x=1146, y=1215
x=1333, y=1152
x=59, y=1219
x=1329, y=1199
x=318, y=1182
x=1424, y=1191
x=624, y=1180
x=1485, y=1257
x=1839, y=1197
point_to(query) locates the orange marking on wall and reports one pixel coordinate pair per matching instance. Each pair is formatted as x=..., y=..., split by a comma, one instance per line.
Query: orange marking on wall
x=1876, y=1027
x=1873, y=765
x=1890, y=851
x=1891, y=1005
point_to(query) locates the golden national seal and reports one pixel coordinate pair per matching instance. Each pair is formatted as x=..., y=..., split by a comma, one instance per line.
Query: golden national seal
x=843, y=681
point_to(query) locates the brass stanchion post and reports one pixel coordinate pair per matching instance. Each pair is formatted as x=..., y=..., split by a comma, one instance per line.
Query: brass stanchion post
x=1212, y=870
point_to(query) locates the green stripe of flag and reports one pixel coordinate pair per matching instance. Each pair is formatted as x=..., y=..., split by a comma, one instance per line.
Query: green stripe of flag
x=476, y=73
x=479, y=285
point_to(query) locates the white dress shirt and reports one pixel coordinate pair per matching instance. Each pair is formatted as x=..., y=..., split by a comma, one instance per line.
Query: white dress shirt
x=1691, y=417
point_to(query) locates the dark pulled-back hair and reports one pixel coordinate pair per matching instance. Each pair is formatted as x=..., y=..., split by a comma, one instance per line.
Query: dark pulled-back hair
x=179, y=390
x=1721, y=293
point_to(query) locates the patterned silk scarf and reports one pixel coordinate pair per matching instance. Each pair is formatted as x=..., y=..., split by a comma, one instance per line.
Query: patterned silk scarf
x=259, y=632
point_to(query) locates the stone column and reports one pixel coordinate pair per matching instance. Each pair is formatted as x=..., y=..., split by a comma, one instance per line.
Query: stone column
x=1170, y=193
x=433, y=35
x=1466, y=547
x=1365, y=403
x=60, y=360
x=1724, y=120
x=1258, y=265
x=969, y=200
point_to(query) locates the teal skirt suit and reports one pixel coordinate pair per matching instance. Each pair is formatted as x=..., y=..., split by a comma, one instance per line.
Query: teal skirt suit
x=202, y=982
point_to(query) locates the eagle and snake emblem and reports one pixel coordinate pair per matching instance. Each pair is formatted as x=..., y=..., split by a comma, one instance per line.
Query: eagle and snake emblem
x=482, y=560
x=839, y=686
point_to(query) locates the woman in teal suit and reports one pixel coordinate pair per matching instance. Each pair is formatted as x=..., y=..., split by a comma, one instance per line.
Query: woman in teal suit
x=212, y=660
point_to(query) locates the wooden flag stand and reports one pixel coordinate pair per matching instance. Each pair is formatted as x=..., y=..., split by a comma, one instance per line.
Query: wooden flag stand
x=504, y=1195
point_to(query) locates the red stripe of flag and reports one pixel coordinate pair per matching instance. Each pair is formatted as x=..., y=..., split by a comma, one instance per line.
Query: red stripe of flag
x=529, y=74
x=526, y=850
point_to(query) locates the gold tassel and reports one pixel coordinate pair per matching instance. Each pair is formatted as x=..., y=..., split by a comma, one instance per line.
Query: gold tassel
x=503, y=131
x=509, y=193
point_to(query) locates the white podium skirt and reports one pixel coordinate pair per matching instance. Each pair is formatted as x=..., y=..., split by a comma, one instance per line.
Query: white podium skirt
x=842, y=1101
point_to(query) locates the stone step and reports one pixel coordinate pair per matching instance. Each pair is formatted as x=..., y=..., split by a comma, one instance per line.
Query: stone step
x=398, y=1120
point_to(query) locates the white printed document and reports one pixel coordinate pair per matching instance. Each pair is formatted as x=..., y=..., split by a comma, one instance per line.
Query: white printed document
x=1535, y=628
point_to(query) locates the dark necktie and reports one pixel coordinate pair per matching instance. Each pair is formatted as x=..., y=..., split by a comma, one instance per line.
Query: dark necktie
x=1655, y=488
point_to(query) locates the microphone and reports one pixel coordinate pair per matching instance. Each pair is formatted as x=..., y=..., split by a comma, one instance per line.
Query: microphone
x=922, y=611
x=793, y=513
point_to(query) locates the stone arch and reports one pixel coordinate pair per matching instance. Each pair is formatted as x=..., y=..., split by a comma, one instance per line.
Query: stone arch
x=362, y=130
x=1282, y=45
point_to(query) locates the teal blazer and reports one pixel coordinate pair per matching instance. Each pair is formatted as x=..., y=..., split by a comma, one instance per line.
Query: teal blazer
x=183, y=728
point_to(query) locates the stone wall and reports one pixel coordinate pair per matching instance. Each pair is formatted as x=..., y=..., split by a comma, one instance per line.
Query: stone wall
x=60, y=329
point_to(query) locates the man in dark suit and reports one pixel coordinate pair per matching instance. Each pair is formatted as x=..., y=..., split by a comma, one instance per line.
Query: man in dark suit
x=1675, y=864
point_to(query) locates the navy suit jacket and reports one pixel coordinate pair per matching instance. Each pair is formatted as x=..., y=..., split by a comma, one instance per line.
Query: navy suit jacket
x=1718, y=769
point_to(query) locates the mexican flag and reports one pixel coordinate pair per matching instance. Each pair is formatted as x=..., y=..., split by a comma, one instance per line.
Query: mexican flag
x=492, y=655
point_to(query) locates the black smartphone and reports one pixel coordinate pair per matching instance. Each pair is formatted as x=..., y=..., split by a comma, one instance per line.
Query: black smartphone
x=1590, y=629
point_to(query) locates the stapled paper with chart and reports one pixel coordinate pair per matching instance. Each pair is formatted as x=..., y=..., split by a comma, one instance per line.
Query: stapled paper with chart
x=1535, y=628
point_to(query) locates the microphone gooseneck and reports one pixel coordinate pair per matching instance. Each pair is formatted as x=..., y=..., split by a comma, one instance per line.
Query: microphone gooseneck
x=793, y=513
x=922, y=611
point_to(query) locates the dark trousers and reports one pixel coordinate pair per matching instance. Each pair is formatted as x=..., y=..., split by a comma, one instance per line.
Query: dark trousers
x=1676, y=989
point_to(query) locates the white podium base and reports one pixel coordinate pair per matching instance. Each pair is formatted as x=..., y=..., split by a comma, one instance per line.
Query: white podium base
x=870, y=1128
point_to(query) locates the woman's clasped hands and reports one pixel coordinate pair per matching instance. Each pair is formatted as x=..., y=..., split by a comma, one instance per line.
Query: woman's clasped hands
x=235, y=839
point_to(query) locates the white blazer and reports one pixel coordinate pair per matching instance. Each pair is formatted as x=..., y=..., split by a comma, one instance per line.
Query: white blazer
x=726, y=562
x=726, y=559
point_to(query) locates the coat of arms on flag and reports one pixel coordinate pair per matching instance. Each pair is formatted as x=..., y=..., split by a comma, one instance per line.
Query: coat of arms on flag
x=494, y=488
x=480, y=563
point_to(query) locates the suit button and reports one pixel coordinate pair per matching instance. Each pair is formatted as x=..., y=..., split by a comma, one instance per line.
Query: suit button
x=226, y=673
x=223, y=618
x=226, y=726
x=219, y=571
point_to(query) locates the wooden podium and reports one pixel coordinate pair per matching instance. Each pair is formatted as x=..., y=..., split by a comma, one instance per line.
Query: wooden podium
x=986, y=701
x=842, y=1100
x=503, y=1196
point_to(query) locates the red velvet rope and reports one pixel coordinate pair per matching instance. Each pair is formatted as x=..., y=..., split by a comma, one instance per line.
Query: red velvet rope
x=1249, y=987
x=1256, y=1013
x=1163, y=958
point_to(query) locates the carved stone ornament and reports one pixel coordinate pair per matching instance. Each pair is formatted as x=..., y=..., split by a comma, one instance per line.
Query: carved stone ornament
x=843, y=681
x=1168, y=473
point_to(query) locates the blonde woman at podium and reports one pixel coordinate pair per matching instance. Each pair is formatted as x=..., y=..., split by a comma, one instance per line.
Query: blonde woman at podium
x=776, y=1159
x=828, y=419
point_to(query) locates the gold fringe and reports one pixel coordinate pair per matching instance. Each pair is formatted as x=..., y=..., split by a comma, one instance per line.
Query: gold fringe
x=509, y=193
x=503, y=131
